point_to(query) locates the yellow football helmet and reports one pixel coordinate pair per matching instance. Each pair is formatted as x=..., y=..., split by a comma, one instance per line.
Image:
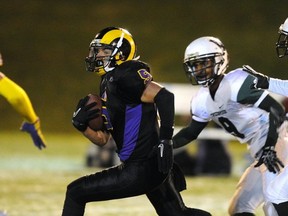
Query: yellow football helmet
x=121, y=45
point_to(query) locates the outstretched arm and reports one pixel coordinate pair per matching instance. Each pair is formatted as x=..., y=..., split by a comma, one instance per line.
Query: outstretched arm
x=261, y=99
x=19, y=100
x=274, y=85
x=189, y=133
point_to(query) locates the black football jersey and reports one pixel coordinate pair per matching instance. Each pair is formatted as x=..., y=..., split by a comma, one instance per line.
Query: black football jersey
x=132, y=123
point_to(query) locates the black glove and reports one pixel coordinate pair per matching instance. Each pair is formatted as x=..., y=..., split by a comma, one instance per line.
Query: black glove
x=83, y=114
x=270, y=159
x=165, y=156
x=261, y=81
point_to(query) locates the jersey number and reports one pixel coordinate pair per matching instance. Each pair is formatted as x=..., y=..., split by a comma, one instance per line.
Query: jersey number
x=230, y=127
x=145, y=75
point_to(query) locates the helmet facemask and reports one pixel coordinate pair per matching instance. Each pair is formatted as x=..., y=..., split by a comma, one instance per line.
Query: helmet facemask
x=203, y=71
x=99, y=64
x=118, y=42
x=106, y=63
x=282, y=43
x=205, y=59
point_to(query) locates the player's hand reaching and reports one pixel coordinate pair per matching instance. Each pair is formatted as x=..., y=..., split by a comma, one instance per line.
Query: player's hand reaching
x=165, y=155
x=269, y=158
x=261, y=81
x=34, y=130
x=83, y=114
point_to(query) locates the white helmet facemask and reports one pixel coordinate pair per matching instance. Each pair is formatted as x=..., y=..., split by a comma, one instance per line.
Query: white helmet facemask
x=210, y=53
x=282, y=43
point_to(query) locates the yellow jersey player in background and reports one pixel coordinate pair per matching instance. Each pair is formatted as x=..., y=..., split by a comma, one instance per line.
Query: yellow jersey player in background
x=19, y=100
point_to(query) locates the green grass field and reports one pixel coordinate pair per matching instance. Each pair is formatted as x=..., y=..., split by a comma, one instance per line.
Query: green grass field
x=33, y=182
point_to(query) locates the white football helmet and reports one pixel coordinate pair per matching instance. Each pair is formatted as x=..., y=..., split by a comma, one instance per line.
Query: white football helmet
x=282, y=43
x=209, y=52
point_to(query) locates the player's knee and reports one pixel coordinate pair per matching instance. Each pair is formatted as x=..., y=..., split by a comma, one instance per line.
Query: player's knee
x=70, y=192
x=75, y=191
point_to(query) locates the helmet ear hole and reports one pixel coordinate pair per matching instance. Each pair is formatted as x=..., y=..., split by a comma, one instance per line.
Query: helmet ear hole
x=119, y=57
x=122, y=57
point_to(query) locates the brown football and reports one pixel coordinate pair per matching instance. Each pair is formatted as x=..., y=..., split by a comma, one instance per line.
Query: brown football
x=96, y=123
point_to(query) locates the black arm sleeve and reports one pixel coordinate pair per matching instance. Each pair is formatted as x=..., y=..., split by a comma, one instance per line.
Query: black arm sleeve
x=247, y=95
x=276, y=118
x=188, y=134
x=164, y=101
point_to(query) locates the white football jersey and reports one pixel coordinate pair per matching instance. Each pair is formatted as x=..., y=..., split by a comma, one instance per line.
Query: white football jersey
x=247, y=122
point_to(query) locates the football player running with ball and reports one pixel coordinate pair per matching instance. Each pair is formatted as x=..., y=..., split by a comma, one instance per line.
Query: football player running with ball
x=251, y=115
x=131, y=101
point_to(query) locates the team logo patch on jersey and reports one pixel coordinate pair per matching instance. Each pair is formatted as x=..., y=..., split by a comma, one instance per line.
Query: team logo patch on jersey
x=145, y=75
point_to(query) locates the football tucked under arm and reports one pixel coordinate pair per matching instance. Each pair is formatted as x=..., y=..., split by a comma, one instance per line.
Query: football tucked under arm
x=96, y=123
x=88, y=113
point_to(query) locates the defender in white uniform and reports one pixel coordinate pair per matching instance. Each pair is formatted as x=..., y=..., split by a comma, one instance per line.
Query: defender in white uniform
x=277, y=86
x=251, y=115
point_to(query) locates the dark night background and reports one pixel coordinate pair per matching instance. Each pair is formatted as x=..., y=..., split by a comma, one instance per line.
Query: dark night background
x=44, y=43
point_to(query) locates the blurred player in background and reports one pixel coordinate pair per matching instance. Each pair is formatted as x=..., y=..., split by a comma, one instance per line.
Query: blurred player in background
x=20, y=101
x=251, y=115
x=131, y=100
x=104, y=156
x=274, y=85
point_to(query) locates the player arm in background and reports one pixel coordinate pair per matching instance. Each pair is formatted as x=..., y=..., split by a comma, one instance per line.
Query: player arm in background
x=259, y=98
x=189, y=133
x=278, y=86
x=268, y=155
x=263, y=100
x=19, y=100
x=274, y=85
x=276, y=118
